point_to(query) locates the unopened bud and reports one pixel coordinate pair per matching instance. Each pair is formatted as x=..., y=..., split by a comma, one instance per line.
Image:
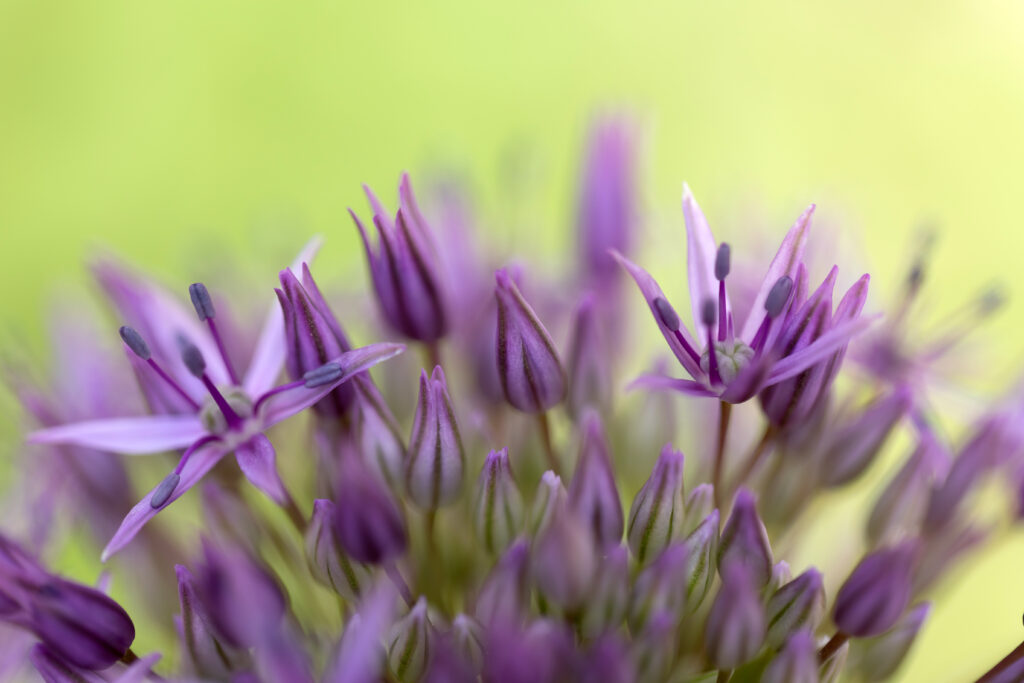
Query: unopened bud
x=800, y=604
x=876, y=592
x=498, y=510
x=735, y=627
x=593, y=495
x=745, y=540
x=436, y=456
x=410, y=644
x=657, y=511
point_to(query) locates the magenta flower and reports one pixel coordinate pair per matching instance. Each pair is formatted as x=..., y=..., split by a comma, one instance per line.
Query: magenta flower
x=228, y=413
x=736, y=364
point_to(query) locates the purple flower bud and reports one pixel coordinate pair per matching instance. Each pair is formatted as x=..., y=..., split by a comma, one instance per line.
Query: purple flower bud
x=377, y=432
x=880, y=657
x=205, y=654
x=699, y=569
x=550, y=494
x=856, y=444
x=448, y=665
x=368, y=522
x=436, y=457
x=654, y=648
x=410, y=644
x=329, y=563
x=796, y=662
x=564, y=561
x=735, y=627
x=79, y=624
x=799, y=604
x=899, y=510
x=781, y=575
x=609, y=597
x=978, y=456
x=660, y=588
x=657, y=511
x=876, y=592
x=745, y=540
x=699, y=504
x=404, y=268
x=531, y=372
x=589, y=380
x=468, y=639
x=313, y=337
x=541, y=653
x=607, y=661
x=244, y=602
x=593, y=496
x=505, y=596
x=499, y=505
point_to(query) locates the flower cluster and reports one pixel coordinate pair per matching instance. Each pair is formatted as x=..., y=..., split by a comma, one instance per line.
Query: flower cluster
x=516, y=517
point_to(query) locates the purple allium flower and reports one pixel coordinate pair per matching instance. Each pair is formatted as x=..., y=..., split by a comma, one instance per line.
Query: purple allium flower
x=468, y=639
x=498, y=507
x=593, y=495
x=550, y=494
x=735, y=628
x=745, y=540
x=404, y=268
x=606, y=661
x=436, y=461
x=540, y=653
x=234, y=415
x=735, y=366
x=879, y=658
x=410, y=644
x=53, y=669
x=796, y=662
x=657, y=511
x=661, y=587
x=877, y=591
x=700, y=501
x=797, y=605
x=900, y=508
x=588, y=372
x=369, y=524
x=532, y=375
x=329, y=562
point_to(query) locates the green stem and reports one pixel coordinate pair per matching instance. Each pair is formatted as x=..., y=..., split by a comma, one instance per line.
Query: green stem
x=549, y=449
x=725, y=412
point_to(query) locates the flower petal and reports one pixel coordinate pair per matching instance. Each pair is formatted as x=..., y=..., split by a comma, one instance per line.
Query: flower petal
x=127, y=435
x=786, y=260
x=268, y=357
x=287, y=403
x=652, y=292
x=139, y=670
x=256, y=459
x=663, y=383
x=820, y=349
x=199, y=463
x=701, y=252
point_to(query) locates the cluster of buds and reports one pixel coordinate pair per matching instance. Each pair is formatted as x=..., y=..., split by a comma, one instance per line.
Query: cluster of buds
x=511, y=520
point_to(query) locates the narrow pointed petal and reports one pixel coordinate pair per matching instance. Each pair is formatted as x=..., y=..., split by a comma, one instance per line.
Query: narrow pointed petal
x=360, y=657
x=201, y=461
x=127, y=435
x=662, y=383
x=786, y=261
x=268, y=357
x=651, y=291
x=820, y=349
x=287, y=403
x=257, y=460
x=701, y=251
x=877, y=592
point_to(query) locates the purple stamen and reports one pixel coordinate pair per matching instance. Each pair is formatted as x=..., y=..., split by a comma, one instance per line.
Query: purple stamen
x=670, y=319
x=162, y=493
x=210, y=438
x=722, y=263
x=708, y=312
x=196, y=364
x=203, y=304
x=138, y=346
x=275, y=391
x=774, y=304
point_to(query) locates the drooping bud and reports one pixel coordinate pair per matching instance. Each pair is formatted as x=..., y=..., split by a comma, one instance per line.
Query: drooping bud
x=877, y=592
x=900, y=509
x=660, y=588
x=879, y=658
x=329, y=563
x=550, y=494
x=205, y=655
x=657, y=510
x=796, y=662
x=79, y=624
x=593, y=495
x=745, y=540
x=377, y=433
x=312, y=336
x=699, y=504
x=609, y=597
x=404, y=268
x=410, y=644
x=564, y=560
x=499, y=506
x=504, y=596
x=699, y=569
x=858, y=443
x=368, y=522
x=468, y=640
x=800, y=604
x=589, y=380
x=244, y=602
x=436, y=456
x=532, y=375
x=735, y=627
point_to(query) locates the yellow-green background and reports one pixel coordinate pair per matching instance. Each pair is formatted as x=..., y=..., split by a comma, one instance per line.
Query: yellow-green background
x=161, y=128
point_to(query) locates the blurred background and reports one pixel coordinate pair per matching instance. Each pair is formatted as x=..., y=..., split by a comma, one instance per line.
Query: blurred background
x=181, y=133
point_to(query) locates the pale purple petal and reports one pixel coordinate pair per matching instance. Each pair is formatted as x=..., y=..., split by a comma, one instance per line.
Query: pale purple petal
x=820, y=349
x=663, y=383
x=700, y=256
x=256, y=458
x=651, y=292
x=139, y=670
x=199, y=463
x=267, y=359
x=786, y=261
x=127, y=435
x=287, y=403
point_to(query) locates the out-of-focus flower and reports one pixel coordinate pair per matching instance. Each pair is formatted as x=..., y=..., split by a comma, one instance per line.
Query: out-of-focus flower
x=593, y=495
x=404, y=268
x=369, y=524
x=410, y=644
x=735, y=627
x=797, y=605
x=504, y=595
x=588, y=371
x=796, y=662
x=329, y=562
x=876, y=592
x=564, y=560
x=879, y=658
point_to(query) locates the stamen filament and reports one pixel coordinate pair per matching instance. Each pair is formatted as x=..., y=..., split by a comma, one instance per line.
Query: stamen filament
x=222, y=350
x=174, y=385
x=229, y=413
x=686, y=346
x=208, y=439
x=723, y=318
x=275, y=391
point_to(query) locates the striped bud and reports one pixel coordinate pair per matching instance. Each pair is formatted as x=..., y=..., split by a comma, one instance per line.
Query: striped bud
x=593, y=495
x=436, y=457
x=328, y=562
x=657, y=511
x=735, y=627
x=410, y=644
x=745, y=540
x=498, y=509
x=799, y=604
